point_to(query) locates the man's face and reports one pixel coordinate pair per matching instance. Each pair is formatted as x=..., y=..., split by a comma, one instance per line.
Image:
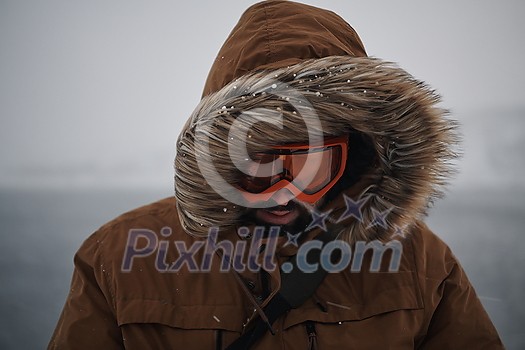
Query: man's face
x=291, y=181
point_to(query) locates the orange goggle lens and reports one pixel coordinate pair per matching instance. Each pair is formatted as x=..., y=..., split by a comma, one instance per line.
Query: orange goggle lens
x=308, y=172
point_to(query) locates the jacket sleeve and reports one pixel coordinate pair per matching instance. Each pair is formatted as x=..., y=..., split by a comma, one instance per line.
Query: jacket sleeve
x=459, y=320
x=87, y=320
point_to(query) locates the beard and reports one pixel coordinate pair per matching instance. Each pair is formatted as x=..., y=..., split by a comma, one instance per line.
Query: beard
x=296, y=226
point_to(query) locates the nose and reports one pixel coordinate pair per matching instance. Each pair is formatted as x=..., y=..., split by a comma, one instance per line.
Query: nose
x=283, y=196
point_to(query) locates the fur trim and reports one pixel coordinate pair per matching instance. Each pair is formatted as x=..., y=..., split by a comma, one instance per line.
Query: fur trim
x=413, y=139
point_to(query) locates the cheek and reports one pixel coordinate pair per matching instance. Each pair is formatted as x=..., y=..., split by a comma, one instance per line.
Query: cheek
x=321, y=202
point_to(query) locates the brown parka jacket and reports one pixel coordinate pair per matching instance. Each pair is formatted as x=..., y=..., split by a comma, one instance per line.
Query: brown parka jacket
x=137, y=282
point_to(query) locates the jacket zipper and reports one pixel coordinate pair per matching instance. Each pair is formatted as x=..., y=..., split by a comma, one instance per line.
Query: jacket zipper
x=312, y=335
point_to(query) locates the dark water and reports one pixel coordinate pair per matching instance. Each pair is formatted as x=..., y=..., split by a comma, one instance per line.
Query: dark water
x=40, y=232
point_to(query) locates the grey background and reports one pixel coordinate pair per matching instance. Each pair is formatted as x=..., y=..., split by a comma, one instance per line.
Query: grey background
x=94, y=93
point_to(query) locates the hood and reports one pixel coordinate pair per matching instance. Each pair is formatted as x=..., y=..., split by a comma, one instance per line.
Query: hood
x=275, y=34
x=290, y=73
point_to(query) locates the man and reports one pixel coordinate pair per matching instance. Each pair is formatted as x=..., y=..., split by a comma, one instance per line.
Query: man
x=302, y=151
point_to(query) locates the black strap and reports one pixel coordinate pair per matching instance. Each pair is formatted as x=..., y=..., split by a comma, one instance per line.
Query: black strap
x=296, y=287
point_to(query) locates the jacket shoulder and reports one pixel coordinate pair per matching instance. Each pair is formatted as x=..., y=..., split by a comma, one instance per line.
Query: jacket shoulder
x=453, y=314
x=153, y=216
x=432, y=256
x=163, y=211
x=104, y=250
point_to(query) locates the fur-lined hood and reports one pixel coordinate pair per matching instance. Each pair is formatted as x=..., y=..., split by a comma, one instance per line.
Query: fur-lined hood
x=304, y=70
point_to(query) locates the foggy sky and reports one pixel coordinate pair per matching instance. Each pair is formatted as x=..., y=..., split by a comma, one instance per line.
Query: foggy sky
x=94, y=93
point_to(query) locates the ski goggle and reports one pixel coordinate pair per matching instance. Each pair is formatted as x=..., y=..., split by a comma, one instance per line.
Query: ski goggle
x=308, y=172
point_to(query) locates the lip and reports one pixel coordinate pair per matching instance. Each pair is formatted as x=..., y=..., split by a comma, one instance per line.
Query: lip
x=279, y=212
x=278, y=217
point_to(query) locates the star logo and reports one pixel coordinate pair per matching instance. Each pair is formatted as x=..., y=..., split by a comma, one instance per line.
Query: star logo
x=353, y=208
x=380, y=218
x=292, y=239
x=399, y=231
x=318, y=220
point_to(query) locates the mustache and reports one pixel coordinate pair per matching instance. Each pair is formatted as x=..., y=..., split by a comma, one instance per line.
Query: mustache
x=288, y=207
x=300, y=224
